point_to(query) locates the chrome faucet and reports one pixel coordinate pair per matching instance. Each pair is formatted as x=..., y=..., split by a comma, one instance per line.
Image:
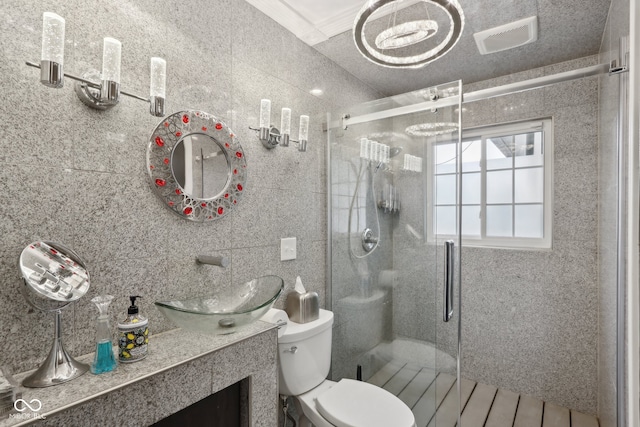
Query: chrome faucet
x=220, y=261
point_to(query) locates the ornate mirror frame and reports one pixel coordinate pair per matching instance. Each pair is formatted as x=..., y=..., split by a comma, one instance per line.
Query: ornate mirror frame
x=164, y=139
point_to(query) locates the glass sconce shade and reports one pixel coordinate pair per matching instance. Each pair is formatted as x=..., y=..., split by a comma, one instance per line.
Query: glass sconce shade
x=304, y=128
x=265, y=113
x=285, y=121
x=158, y=77
x=111, y=54
x=52, y=38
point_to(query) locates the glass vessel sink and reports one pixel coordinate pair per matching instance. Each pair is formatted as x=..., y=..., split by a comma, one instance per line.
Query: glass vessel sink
x=224, y=313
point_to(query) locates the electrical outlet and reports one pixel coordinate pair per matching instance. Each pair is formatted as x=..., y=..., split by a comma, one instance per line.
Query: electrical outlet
x=287, y=248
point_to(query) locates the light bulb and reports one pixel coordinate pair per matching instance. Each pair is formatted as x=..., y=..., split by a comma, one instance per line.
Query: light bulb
x=158, y=77
x=265, y=113
x=52, y=38
x=285, y=121
x=111, y=54
x=303, y=134
x=304, y=128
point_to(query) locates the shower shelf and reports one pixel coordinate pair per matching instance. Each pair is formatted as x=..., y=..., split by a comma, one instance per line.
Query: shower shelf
x=389, y=206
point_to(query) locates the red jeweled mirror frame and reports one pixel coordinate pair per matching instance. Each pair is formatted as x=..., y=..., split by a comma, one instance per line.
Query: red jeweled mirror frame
x=172, y=132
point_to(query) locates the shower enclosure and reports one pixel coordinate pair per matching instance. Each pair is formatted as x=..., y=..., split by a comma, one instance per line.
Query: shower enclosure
x=396, y=209
x=394, y=246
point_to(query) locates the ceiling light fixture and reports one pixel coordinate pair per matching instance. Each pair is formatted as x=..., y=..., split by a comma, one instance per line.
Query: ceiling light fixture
x=432, y=129
x=407, y=34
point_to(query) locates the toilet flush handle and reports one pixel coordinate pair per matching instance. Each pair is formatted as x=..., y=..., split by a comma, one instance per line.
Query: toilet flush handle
x=292, y=350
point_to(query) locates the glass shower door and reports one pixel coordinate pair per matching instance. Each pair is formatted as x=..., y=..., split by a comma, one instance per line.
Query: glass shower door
x=394, y=230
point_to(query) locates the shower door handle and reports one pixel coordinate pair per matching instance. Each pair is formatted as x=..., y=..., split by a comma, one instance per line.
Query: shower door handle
x=449, y=255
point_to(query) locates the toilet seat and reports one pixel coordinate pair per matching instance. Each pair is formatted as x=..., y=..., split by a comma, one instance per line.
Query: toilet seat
x=351, y=403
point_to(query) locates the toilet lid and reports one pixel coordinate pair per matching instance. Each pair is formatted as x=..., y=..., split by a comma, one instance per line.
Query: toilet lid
x=352, y=403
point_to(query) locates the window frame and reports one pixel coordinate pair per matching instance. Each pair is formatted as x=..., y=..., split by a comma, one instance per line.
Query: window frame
x=483, y=132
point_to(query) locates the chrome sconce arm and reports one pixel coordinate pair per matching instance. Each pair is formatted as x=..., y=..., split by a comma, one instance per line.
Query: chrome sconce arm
x=99, y=90
x=270, y=136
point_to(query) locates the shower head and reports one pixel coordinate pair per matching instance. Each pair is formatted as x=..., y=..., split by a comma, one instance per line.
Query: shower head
x=394, y=151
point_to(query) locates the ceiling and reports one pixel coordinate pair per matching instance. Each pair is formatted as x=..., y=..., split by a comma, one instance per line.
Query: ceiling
x=567, y=29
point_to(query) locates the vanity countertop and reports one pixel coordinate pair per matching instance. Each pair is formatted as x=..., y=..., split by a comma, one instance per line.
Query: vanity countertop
x=167, y=351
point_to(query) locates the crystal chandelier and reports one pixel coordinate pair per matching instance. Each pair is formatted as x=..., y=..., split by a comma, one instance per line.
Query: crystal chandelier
x=407, y=34
x=432, y=129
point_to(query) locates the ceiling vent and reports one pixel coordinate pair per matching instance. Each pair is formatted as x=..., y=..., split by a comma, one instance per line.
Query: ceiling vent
x=507, y=36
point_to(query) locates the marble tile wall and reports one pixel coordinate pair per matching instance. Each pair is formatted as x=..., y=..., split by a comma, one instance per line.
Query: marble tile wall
x=77, y=176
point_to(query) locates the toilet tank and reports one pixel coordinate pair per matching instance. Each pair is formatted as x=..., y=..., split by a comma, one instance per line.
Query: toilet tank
x=304, y=354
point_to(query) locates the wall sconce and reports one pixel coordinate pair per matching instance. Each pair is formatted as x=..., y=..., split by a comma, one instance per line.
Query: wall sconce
x=52, y=57
x=270, y=136
x=99, y=90
x=157, y=88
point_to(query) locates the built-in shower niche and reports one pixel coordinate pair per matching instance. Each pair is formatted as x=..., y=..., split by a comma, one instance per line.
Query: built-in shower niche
x=228, y=407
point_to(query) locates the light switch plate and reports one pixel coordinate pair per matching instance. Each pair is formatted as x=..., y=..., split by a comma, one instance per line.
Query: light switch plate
x=287, y=248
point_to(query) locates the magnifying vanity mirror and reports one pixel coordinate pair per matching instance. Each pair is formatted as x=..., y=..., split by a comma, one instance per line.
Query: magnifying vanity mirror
x=196, y=165
x=53, y=277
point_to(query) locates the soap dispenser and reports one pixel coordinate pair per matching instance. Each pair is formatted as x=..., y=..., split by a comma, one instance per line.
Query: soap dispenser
x=133, y=334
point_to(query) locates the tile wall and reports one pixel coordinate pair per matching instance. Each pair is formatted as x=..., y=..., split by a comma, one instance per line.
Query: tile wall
x=530, y=317
x=77, y=176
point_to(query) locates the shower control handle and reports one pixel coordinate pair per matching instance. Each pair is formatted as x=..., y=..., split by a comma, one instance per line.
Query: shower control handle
x=449, y=255
x=369, y=241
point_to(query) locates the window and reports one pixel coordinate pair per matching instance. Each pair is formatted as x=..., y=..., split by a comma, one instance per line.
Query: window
x=506, y=185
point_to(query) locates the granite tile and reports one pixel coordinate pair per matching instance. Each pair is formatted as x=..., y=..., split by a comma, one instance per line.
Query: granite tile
x=88, y=170
x=283, y=56
x=575, y=92
x=575, y=131
x=170, y=379
x=180, y=387
x=520, y=106
x=480, y=113
x=281, y=215
x=113, y=202
x=575, y=217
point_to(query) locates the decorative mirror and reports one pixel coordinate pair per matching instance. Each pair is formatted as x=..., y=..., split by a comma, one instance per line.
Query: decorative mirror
x=53, y=276
x=196, y=165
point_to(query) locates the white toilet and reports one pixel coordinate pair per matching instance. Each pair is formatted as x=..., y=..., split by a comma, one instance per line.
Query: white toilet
x=305, y=357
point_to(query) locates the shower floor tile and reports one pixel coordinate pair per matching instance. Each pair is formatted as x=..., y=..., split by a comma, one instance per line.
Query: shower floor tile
x=432, y=398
